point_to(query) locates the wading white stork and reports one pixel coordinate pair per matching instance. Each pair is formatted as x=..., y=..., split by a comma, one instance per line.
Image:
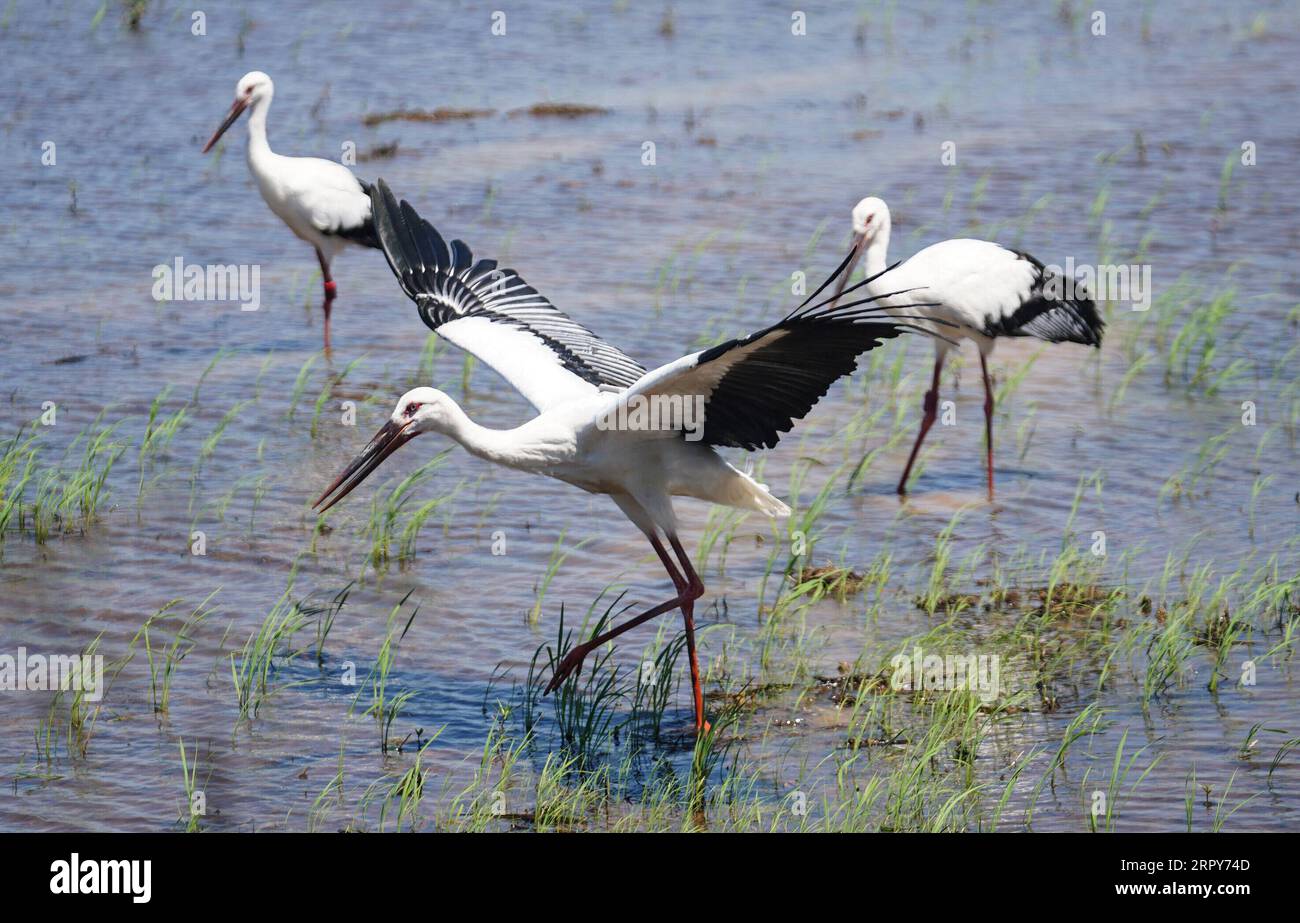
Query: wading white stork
x=984, y=290
x=320, y=200
x=750, y=390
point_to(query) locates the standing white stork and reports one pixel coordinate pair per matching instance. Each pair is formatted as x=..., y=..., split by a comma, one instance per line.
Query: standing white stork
x=320, y=200
x=750, y=391
x=982, y=290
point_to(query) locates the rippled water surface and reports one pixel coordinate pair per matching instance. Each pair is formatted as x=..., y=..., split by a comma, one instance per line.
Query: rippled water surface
x=1102, y=148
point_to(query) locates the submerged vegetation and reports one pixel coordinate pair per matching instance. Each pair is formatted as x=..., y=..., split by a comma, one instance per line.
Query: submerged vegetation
x=46, y=500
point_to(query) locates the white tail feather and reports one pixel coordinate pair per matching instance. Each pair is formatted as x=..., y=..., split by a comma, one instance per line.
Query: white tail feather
x=747, y=494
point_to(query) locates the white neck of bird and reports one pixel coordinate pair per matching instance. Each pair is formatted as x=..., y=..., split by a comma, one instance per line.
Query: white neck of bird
x=258, y=146
x=876, y=258
x=501, y=446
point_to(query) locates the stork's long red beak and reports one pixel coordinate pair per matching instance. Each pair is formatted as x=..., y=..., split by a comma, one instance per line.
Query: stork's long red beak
x=859, y=245
x=391, y=437
x=235, y=112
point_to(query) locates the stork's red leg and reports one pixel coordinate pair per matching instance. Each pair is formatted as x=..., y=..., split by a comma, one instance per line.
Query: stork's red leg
x=689, y=589
x=680, y=583
x=331, y=290
x=930, y=406
x=573, y=660
x=988, y=420
x=688, y=618
x=695, y=591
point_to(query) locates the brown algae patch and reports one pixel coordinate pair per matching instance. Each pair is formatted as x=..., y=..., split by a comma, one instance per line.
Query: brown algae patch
x=558, y=111
x=845, y=690
x=834, y=580
x=379, y=152
x=441, y=114
x=951, y=602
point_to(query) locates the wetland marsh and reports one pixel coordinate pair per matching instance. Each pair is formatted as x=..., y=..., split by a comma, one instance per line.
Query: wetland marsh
x=1136, y=581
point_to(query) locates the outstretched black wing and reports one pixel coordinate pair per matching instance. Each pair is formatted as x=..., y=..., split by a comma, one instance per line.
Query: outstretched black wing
x=494, y=314
x=755, y=387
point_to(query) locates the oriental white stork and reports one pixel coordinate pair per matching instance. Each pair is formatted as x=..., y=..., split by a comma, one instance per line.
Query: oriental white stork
x=320, y=200
x=750, y=391
x=982, y=290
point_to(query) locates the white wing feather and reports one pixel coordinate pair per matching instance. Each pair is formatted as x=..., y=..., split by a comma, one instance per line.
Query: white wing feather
x=520, y=357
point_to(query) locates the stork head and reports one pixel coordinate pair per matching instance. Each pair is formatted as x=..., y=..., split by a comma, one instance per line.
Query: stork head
x=426, y=410
x=420, y=410
x=253, y=88
x=870, y=222
x=870, y=219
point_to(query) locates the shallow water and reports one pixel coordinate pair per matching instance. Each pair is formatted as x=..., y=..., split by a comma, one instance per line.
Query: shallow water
x=763, y=143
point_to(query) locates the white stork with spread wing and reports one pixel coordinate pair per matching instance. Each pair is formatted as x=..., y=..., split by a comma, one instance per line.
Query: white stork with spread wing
x=591, y=428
